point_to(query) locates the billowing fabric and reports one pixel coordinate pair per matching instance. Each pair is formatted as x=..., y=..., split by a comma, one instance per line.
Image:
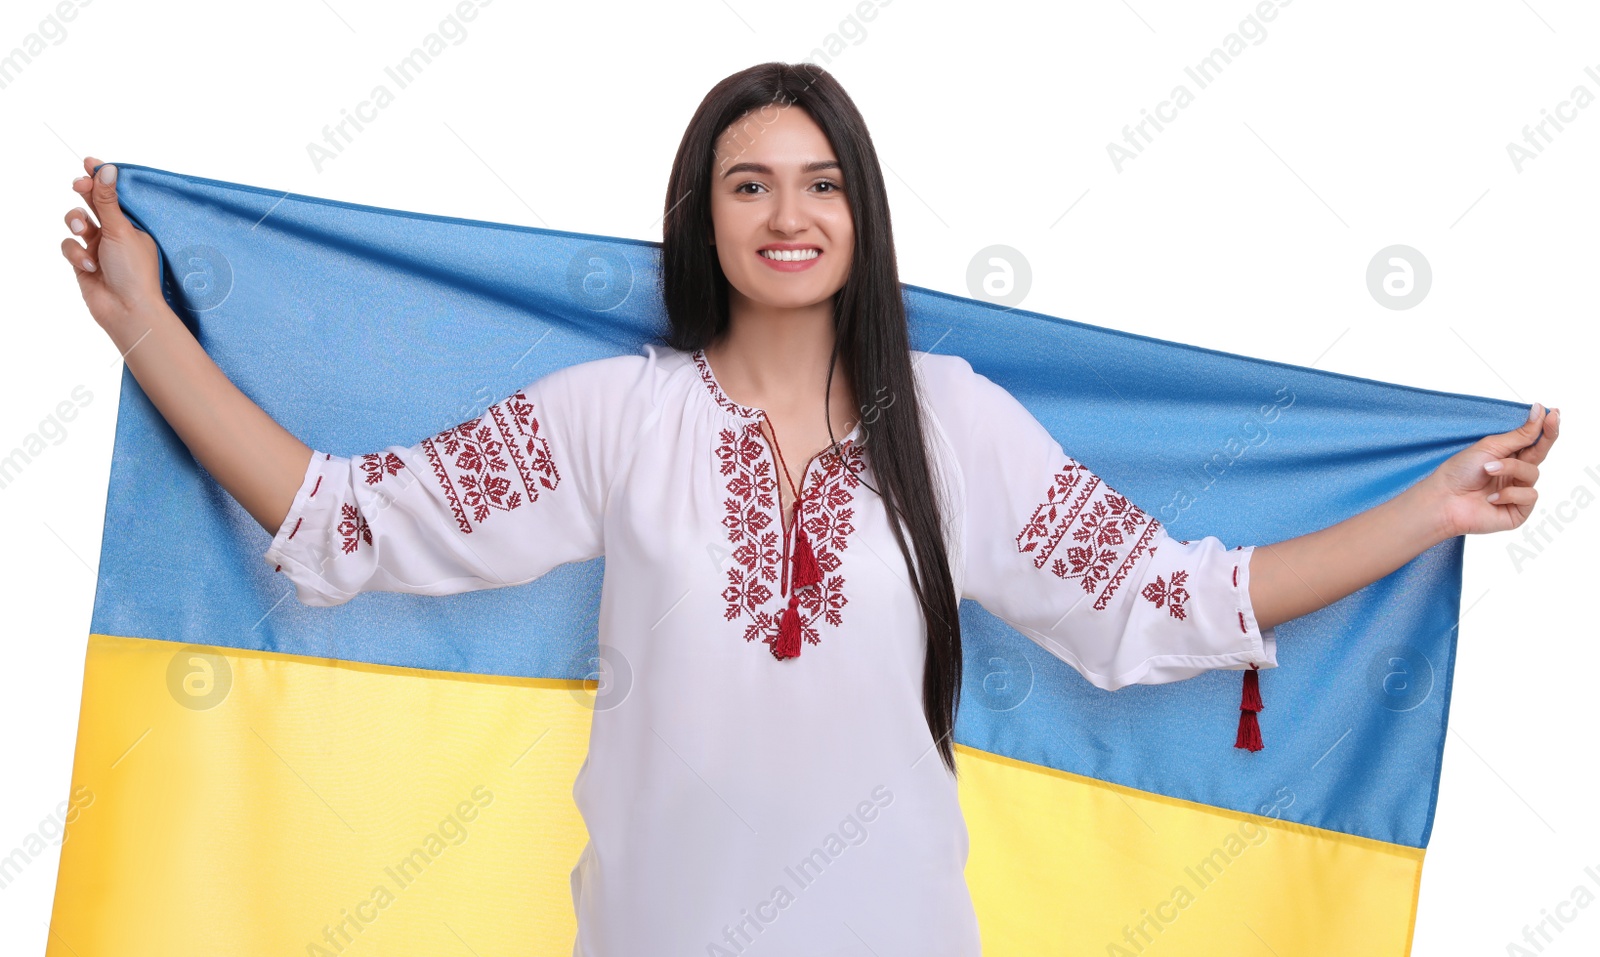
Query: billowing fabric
x=307, y=761
x=646, y=460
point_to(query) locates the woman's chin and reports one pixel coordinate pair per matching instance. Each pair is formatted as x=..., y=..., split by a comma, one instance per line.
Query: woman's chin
x=780, y=295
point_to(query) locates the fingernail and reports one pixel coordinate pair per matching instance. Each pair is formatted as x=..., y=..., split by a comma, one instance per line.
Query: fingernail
x=1492, y=467
x=81, y=179
x=108, y=174
x=77, y=225
x=1533, y=412
x=88, y=266
x=1495, y=497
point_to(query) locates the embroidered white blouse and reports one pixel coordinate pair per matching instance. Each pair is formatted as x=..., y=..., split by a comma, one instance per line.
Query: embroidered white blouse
x=731, y=797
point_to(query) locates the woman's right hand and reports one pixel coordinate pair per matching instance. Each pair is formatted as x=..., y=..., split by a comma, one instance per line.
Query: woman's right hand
x=117, y=266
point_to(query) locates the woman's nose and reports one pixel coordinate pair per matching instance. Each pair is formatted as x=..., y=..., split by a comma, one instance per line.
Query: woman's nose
x=787, y=214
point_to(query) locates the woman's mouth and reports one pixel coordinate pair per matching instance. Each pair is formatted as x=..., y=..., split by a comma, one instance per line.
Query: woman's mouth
x=790, y=260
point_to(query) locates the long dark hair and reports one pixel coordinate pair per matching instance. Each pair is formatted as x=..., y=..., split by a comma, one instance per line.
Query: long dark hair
x=869, y=324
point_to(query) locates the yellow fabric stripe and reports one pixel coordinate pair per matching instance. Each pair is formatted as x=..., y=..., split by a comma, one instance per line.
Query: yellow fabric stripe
x=1064, y=864
x=243, y=802
x=249, y=826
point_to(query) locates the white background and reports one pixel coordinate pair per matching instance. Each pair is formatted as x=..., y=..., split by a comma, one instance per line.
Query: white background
x=1246, y=226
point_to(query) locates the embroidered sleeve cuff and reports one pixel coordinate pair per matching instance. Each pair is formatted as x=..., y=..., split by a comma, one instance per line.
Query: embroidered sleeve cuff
x=296, y=557
x=1262, y=644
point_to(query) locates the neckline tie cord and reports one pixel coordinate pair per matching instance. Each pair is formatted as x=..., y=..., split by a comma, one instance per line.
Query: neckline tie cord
x=802, y=570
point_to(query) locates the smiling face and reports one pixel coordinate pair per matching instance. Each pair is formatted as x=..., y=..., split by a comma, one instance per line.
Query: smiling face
x=779, y=216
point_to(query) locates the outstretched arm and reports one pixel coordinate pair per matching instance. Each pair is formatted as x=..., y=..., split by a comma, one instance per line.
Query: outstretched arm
x=1486, y=487
x=253, y=457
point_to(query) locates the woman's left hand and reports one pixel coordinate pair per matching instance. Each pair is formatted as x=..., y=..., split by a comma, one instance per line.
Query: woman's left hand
x=1488, y=486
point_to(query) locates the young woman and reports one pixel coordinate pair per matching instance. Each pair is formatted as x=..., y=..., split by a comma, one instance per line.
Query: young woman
x=788, y=693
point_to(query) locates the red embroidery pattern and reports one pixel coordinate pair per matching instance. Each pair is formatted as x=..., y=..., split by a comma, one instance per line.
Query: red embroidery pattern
x=752, y=519
x=754, y=579
x=353, y=527
x=742, y=411
x=1108, y=534
x=1172, y=593
x=756, y=538
x=827, y=517
x=377, y=465
x=528, y=449
x=469, y=461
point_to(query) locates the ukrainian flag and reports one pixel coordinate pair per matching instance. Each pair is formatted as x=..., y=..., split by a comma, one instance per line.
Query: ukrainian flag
x=393, y=775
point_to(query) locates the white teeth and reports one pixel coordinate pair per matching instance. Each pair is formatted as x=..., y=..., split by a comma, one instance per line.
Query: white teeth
x=791, y=255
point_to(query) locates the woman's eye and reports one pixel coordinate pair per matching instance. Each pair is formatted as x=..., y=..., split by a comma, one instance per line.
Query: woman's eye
x=751, y=188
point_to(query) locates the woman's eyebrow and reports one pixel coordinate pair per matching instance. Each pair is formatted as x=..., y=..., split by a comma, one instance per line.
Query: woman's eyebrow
x=811, y=167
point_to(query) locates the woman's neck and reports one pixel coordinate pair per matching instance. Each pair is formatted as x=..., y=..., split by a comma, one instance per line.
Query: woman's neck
x=777, y=360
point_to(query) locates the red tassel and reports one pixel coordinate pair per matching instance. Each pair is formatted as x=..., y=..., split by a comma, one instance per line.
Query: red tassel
x=788, y=643
x=1251, y=700
x=1249, y=736
x=1249, y=732
x=806, y=570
